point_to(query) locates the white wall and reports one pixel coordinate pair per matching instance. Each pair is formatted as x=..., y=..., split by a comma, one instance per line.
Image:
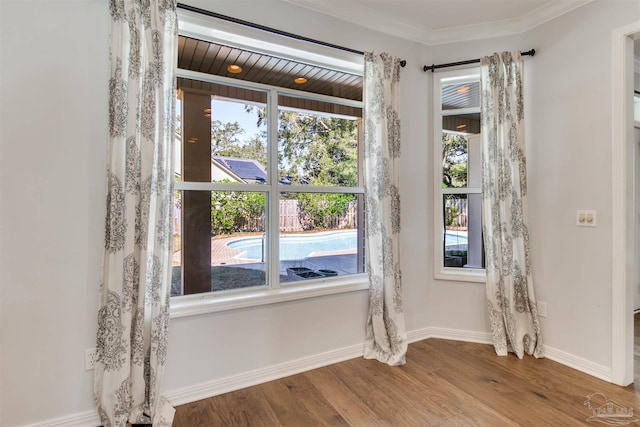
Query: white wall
x=52, y=162
x=568, y=104
x=570, y=169
x=53, y=140
x=636, y=49
x=52, y=165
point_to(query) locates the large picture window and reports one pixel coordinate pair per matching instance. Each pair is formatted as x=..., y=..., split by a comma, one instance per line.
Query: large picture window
x=268, y=164
x=458, y=205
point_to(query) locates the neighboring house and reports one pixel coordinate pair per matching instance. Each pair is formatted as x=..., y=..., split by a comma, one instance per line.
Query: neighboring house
x=237, y=170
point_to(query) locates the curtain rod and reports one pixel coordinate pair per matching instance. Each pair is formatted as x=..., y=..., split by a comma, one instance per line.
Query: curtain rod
x=471, y=61
x=270, y=30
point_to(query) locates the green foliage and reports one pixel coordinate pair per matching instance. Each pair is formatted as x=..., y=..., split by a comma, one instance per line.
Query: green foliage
x=234, y=211
x=318, y=209
x=454, y=160
x=225, y=142
x=451, y=215
x=315, y=148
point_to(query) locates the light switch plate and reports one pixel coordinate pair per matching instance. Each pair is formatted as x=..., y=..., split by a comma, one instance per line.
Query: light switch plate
x=586, y=218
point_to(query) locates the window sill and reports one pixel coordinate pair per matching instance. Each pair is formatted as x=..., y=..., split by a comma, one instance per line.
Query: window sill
x=193, y=305
x=475, y=275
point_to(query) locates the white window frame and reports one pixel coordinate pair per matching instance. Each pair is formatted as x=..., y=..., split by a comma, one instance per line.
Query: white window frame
x=201, y=27
x=440, y=271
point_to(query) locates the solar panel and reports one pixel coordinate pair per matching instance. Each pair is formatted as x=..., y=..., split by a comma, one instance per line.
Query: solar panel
x=244, y=168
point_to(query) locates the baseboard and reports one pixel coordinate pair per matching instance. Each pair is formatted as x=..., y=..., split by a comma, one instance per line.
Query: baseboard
x=259, y=376
x=270, y=373
x=82, y=419
x=224, y=385
x=578, y=363
x=449, y=334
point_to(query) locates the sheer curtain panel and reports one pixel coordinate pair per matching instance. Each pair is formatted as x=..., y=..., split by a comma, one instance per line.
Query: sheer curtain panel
x=511, y=300
x=133, y=316
x=386, y=337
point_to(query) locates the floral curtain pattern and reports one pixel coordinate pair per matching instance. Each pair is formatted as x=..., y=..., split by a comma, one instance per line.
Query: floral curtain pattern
x=133, y=316
x=385, y=336
x=511, y=301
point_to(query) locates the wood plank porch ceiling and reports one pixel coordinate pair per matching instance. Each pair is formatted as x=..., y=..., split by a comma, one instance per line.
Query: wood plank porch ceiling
x=212, y=58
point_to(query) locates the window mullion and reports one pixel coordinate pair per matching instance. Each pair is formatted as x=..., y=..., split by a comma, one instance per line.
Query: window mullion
x=273, y=208
x=459, y=111
x=319, y=189
x=461, y=190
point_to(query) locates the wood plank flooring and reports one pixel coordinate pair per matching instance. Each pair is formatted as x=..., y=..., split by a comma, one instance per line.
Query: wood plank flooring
x=444, y=383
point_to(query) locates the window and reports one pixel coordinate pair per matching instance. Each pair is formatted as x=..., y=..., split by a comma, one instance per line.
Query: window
x=268, y=187
x=459, y=253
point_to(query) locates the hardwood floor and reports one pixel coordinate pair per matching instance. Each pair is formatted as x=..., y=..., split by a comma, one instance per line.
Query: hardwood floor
x=444, y=383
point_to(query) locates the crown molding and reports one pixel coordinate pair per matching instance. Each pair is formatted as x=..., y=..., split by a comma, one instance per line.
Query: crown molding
x=364, y=16
x=548, y=12
x=368, y=17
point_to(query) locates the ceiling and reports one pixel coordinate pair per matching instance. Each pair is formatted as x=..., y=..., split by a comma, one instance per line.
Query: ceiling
x=433, y=19
x=444, y=21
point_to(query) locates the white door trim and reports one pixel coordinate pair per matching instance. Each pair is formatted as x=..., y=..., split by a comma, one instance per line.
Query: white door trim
x=623, y=206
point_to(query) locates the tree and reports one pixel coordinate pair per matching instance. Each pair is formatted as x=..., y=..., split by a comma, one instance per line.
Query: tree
x=454, y=160
x=225, y=142
x=315, y=148
x=224, y=137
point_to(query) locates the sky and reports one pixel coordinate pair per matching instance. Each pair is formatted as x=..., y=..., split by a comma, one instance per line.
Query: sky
x=229, y=112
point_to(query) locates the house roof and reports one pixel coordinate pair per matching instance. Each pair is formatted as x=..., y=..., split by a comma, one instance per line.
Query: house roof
x=245, y=169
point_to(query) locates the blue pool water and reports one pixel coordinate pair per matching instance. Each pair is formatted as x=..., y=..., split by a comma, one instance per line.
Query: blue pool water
x=299, y=246
x=455, y=241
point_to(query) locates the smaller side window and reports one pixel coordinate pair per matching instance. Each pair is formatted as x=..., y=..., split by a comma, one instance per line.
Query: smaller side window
x=458, y=241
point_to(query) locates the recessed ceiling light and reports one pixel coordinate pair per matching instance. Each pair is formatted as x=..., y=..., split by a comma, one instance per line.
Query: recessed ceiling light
x=462, y=90
x=299, y=80
x=235, y=69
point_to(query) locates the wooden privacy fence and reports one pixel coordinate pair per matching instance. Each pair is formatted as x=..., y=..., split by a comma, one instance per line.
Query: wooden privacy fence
x=290, y=218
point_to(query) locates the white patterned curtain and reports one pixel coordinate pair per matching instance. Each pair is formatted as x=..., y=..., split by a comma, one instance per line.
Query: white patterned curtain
x=133, y=317
x=386, y=337
x=511, y=301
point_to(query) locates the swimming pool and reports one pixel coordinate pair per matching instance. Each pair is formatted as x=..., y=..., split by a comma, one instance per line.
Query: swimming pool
x=455, y=240
x=298, y=246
